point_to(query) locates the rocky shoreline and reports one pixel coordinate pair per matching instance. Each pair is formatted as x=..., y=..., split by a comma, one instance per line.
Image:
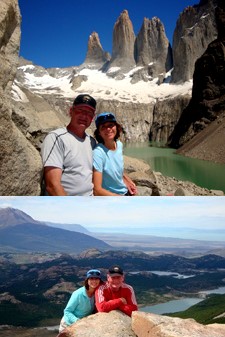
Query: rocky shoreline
x=151, y=183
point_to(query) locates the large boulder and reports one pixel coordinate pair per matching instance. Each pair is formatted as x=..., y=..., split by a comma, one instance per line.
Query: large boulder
x=141, y=324
x=20, y=161
x=144, y=325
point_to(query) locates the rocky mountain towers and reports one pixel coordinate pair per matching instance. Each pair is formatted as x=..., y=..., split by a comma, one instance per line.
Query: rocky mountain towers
x=95, y=53
x=150, y=49
x=123, y=42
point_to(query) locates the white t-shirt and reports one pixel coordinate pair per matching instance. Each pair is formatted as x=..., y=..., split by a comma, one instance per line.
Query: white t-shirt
x=73, y=155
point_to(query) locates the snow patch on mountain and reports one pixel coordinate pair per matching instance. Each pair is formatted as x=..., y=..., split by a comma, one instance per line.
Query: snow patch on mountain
x=98, y=84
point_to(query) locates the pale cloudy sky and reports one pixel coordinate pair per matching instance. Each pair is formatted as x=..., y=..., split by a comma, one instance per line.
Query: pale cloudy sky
x=127, y=215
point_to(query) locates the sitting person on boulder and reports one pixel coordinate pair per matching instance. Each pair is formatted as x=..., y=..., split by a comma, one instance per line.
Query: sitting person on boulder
x=108, y=168
x=82, y=300
x=115, y=294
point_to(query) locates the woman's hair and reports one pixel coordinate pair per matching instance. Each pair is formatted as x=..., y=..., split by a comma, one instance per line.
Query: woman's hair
x=100, y=139
x=87, y=285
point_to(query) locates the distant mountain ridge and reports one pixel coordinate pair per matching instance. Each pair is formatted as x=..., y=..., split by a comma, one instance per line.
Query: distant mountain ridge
x=19, y=231
x=11, y=217
x=69, y=227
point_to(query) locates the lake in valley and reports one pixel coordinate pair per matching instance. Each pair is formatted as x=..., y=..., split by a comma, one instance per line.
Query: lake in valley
x=181, y=304
x=201, y=172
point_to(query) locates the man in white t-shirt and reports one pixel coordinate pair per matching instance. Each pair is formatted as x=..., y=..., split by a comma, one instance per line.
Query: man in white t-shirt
x=67, y=152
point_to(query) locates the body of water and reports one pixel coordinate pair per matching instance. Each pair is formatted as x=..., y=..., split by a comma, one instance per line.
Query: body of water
x=180, y=305
x=202, y=173
x=172, y=306
x=168, y=273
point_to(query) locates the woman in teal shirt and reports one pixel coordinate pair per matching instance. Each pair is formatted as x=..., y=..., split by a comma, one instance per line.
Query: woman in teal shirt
x=82, y=300
x=108, y=173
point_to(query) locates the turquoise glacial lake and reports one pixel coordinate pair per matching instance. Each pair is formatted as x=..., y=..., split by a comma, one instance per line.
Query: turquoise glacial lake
x=201, y=172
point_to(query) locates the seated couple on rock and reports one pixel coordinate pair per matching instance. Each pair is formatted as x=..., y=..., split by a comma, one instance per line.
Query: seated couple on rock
x=98, y=296
x=75, y=165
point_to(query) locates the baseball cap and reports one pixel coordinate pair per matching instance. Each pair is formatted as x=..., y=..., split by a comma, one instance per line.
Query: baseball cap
x=93, y=273
x=85, y=100
x=104, y=117
x=115, y=271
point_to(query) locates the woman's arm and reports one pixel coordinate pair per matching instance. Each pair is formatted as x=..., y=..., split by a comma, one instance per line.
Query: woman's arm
x=130, y=185
x=69, y=311
x=98, y=189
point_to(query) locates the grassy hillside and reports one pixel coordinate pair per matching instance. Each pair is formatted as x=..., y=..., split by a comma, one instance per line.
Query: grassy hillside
x=207, y=311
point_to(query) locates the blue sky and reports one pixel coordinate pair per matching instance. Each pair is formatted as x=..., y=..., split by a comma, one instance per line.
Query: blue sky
x=127, y=215
x=55, y=33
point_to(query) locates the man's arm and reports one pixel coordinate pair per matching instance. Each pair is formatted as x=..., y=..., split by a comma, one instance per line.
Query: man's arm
x=104, y=303
x=53, y=184
x=131, y=304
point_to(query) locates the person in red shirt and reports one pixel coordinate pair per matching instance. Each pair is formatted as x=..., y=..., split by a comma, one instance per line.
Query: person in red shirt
x=115, y=294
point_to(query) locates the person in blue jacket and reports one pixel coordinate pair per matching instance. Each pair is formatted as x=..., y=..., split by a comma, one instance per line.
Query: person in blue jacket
x=82, y=300
x=108, y=168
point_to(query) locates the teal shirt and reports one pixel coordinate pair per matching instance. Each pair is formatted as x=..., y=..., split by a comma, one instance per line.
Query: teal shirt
x=79, y=306
x=110, y=164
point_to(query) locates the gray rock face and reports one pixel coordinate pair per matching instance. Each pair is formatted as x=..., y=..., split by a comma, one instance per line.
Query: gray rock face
x=95, y=53
x=152, y=47
x=195, y=29
x=165, y=116
x=123, y=43
x=201, y=125
x=20, y=162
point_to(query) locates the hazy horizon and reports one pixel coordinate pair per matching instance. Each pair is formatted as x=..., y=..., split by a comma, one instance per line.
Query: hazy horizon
x=187, y=217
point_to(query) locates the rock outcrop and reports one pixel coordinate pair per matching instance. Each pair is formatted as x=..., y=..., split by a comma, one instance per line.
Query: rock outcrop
x=123, y=44
x=166, y=114
x=95, y=56
x=115, y=323
x=204, y=117
x=144, y=325
x=152, y=48
x=20, y=162
x=195, y=29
